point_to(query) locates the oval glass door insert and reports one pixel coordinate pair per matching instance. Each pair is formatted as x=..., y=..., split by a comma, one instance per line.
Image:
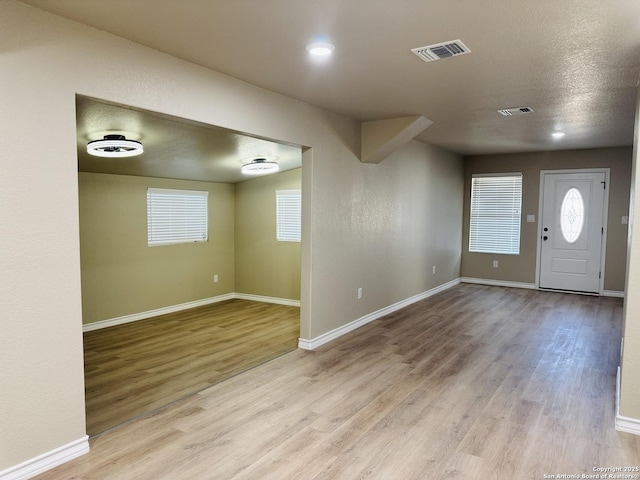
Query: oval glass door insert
x=572, y=215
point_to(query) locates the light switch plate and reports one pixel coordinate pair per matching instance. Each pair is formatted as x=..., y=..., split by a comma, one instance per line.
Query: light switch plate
x=625, y=220
x=531, y=218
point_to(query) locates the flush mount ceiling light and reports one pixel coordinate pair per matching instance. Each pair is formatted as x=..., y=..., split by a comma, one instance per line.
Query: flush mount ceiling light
x=259, y=166
x=320, y=49
x=557, y=134
x=114, y=146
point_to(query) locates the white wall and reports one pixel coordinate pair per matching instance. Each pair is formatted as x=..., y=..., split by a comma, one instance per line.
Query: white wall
x=364, y=225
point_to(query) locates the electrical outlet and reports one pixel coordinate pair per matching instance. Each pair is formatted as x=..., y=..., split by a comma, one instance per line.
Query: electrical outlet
x=215, y=279
x=434, y=269
x=359, y=293
x=495, y=264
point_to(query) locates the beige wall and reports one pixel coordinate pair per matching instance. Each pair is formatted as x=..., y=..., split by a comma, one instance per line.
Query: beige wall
x=522, y=268
x=121, y=275
x=359, y=219
x=380, y=227
x=629, y=395
x=265, y=266
x=383, y=227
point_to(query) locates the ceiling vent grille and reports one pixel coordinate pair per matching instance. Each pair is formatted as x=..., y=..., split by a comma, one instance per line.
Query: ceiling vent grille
x=431, y=53
x=507, y=112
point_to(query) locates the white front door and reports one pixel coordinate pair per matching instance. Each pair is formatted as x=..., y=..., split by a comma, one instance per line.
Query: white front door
x=572, y=230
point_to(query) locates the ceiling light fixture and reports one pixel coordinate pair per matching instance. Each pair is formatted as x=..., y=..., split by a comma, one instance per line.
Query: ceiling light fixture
x=557, y=134
x=114, y=146
x=320, y=49
x=259, y=166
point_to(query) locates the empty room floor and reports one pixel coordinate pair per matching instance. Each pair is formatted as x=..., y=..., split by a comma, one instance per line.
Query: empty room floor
x=135, y=368
x=476, y=382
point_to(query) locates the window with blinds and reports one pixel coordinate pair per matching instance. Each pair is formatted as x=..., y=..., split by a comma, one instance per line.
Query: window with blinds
x=288, y=215
x=496, y=202
x=176, y=216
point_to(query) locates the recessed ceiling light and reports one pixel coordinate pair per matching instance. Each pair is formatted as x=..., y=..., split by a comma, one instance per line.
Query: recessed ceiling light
x=259, y=166
x=115, y=146
x=320, y=49
x=557, y=134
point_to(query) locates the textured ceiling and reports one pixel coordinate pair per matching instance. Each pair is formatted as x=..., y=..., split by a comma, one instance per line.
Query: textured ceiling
x=173, y=147
x=575, y=62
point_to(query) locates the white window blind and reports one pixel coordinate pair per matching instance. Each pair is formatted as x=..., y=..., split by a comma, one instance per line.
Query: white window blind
x=496, y=203
x=176, y=216
x=288, y=215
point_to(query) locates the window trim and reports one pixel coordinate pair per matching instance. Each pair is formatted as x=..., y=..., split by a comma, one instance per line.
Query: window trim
x=288, y=231
x=196, y=231
x=509, y=242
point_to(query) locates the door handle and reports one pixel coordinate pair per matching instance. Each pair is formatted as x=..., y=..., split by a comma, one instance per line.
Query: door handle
x=545, y=238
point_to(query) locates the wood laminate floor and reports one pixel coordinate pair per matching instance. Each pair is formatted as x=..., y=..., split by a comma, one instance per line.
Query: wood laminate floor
x=138, y=367
x=476, y=382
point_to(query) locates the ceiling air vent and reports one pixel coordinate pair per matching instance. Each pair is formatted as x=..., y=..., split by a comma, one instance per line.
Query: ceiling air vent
x=441, y=50
x=507, y=112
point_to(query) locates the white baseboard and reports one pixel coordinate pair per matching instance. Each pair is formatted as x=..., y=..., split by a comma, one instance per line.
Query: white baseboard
x=260, y=298
x=47, y=461
x=624, y=424
x=338, y=332
x=613, y=293
x=498, y=283
x=134, y=317
x=530, y=286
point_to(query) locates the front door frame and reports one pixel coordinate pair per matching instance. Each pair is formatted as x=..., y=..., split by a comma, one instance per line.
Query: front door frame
x=605, y=215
